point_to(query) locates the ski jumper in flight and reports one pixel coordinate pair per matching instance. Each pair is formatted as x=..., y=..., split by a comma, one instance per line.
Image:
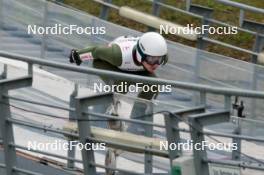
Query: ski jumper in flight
x=134, y=55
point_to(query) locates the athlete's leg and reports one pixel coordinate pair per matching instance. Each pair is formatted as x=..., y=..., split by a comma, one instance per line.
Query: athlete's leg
x=141, y=109
x=108, y=108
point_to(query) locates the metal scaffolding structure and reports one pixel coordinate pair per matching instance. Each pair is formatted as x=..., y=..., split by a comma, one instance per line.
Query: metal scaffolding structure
x=197, y=116
x=207, y=88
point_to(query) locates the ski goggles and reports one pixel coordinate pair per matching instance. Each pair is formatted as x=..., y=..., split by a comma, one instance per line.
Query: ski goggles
x=152, y=60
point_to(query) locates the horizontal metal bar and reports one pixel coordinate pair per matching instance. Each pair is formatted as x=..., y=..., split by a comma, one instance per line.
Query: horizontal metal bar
x=2, y=165
x=201, y=17
x=124, y=76
x=107, y=4
x=253, y=25
x=87, y=113
x=42, y=127
x=241, y=6
x=229, y=25
x=16, y=83
x=176, y=9
x=135, y=149
x=153, y=101
x=194, y=15
x=74, y=135
x=26, y=171
x=211, y=118
x=138, y=149
x=229, y=46
x=115, y=169
x=243, y=137
x=68, y=133
x=45, y=153
x=182, y=129
x=88, y=100
x=233, y=163
x=39, y=113
x=156, y=22
x=37, y=103
x=190, y=111
x=73, y=109
x=185, y=12
x=124, y=119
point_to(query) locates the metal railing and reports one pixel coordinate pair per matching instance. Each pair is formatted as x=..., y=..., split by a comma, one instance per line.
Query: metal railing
x=196, y=122
x=202, y=89
x=204, y=15
x=242, y=6
x=49, y=9
x=116, y=75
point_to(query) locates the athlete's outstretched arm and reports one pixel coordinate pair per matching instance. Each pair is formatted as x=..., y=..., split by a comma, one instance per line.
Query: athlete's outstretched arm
x=111, y=54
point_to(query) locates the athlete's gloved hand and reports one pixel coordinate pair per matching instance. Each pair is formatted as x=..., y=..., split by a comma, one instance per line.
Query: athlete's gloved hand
x=74, y=57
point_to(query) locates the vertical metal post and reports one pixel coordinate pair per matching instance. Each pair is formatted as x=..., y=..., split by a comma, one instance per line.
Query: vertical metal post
x=201, y=168
x=197, y=73
x=93, y=37
x=44, y=36
x=254, y=87
x=236, y=154
x=196, y=127
x=149, y=133
x=148, y=162
x=200, y=43
x=84, y=126
x=173, y=136
x=156, y=7
x=155, y=11
x=241, y=17
x=227, y=102
x=6, y=128
x=257, y=48
x=203, y=98
x=258, y=45
x=72, y=116
x=30, y=69
x=7, y=133
x=206, y=13
x=105, y=10
x=4, y=73
x=188, y=4
x=70, y=154
x=2, y=13
x=84, y=132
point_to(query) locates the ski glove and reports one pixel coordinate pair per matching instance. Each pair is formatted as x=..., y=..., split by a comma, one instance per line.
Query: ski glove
x=74, y=57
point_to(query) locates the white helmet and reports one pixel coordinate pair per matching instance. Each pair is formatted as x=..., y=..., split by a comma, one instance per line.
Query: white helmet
x=151, y=44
